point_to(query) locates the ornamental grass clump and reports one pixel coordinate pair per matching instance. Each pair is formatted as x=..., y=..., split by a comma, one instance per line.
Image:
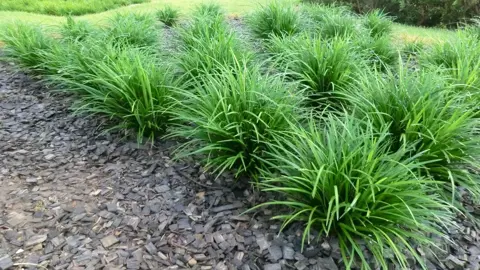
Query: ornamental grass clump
x=426, y=115
x=127, y=85
x=76, y=31
x=229, y=116
x=331, y=21
x=209, y=10
x=378, y=52
x=338, y=176
x=460, y=58
x=131, y=29
x=320, y=65
x=168, y=15
x=204, y=28
x=275, y=19
x=207, y=45
x=377, y=23
x=25, y=44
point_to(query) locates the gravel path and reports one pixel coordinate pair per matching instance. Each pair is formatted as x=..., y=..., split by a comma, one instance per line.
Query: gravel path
x=72, y=198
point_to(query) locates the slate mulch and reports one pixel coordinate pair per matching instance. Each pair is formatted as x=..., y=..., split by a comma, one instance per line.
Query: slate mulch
x=74, y=198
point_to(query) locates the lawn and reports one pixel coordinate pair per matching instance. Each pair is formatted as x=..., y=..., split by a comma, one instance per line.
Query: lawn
x=353, y=134
x=64, y=7
x=401, y=32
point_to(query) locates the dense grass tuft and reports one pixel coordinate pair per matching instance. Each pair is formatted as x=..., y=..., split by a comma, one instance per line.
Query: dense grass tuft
x=25, y=44
x=275, y=19
x=337, y=176
x=230, y=115
x=321, y=65
x=136, y=30
x=168, y=15
x=76, y=30
x=378, y=51
x=129, y=86
x=460, y=57
x=332, y=21
x=208, y=45
x=209, y=10
x=421, y=110
x=377, y=23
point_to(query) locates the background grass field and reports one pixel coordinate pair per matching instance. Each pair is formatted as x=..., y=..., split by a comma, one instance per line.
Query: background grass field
x=401, y=32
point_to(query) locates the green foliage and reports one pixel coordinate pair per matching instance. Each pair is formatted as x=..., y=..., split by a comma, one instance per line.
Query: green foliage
x=275, y=19
x=338, y=176
x=332, y=21
x=378, y=51
x=230, y=115
x=421, y=110
x=208, y=46
x=414, y=48
x=131, y=29
x=460, y=58
x=209, y=10
x=210, y=55
x=76, y=30
x=474, y=28
x=418, y=12
x=320, y=65
x=65, y=7
x=378, y=23
x=25, y=44
x=203, y=28
x=168, y=15
x=127, y=85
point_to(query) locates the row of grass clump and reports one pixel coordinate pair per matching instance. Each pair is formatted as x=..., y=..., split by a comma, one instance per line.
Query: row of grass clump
x=358, y=138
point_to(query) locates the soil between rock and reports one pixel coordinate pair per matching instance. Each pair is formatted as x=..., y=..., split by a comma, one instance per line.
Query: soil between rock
x=74, y=198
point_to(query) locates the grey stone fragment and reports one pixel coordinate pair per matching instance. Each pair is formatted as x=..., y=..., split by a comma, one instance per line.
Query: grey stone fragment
x=288, y=252
x=35, y=240
x=109, y=241
x=274, y=266
x=275, y=253
x=5, y=262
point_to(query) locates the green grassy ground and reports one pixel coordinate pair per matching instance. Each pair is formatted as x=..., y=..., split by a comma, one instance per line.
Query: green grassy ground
x=402, y=32
x=65, y=7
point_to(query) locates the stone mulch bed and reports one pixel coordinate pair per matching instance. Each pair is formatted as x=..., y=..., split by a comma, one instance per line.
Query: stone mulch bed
x=74, y=198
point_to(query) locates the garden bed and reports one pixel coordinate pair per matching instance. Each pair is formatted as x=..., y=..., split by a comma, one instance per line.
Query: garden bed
x=308, y=115
x=73, y=198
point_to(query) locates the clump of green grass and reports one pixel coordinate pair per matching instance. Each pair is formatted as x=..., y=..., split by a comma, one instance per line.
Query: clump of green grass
x=459, y=57
x=229, y=117
x=421, y=110
x=275, y=19
x=128, y=85
x=135, y=30
x=320, y=65
x=378, y=23
x=378, y=51
x=414, y=48
x=168, y=15
x=76, y=30
x=203, y=28
x=65, y=7
x=332, y=21
x=210, y=55
x=209, y=10
x=208, y=45
x=25, y=44
x=338, y=176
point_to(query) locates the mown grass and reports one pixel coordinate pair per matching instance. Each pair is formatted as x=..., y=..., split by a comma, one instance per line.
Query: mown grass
x=64, y=7
x=358, y=144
